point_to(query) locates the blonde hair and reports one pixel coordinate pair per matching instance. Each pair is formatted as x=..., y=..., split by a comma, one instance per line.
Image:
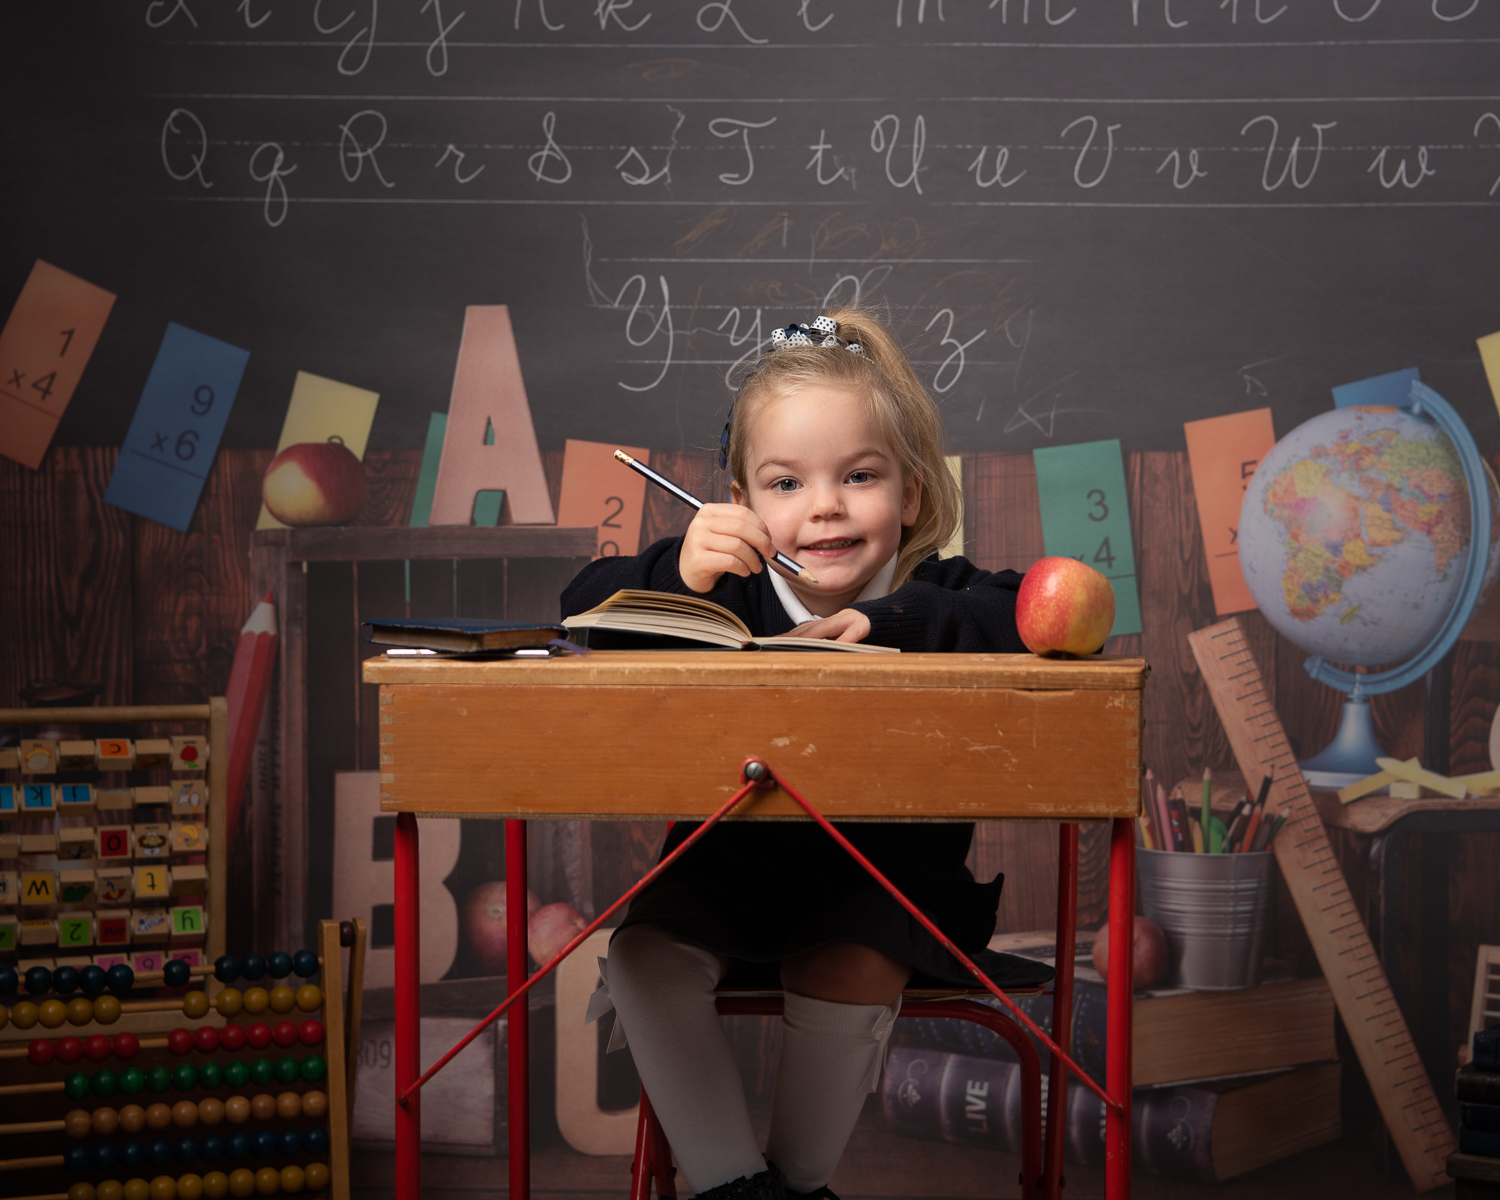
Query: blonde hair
x=899, y=404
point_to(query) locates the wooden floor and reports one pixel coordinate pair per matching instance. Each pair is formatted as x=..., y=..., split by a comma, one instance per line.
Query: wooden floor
x=881, y=1166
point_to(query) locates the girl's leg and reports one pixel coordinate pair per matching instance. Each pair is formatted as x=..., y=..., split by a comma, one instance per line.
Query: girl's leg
x=663, y=993
x=841, y=1001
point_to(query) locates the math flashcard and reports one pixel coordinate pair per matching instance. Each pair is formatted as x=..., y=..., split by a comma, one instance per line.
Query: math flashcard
x=598, y=490
x=1390, y=390
x=1223, y=453
x=1085, y=515
x=321, y=409
x=175, y=432
x=1489, y=354
x=44, y=348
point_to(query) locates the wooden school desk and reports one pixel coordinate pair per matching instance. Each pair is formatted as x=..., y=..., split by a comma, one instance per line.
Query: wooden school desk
x=621, y=735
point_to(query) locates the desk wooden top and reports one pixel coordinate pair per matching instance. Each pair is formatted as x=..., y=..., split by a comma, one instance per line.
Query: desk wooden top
x=630, y=734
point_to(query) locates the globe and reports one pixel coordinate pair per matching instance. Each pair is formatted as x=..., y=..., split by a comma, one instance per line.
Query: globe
x=1357, y=542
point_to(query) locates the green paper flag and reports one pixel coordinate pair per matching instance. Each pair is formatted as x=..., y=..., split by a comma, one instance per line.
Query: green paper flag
x=432, y=453
x=1081, y=490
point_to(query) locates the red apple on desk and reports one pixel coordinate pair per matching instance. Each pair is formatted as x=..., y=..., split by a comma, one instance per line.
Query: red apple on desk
x=1064, y=607
x=551, y=928
x=315, y=483
x=484, y=924
x=1148, y=962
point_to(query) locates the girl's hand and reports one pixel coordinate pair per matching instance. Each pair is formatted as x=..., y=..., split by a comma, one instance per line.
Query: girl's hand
x=722, y=537
x=846, y=625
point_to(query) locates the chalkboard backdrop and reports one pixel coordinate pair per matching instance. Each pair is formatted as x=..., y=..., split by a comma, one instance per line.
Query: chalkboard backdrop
x=1089, y=218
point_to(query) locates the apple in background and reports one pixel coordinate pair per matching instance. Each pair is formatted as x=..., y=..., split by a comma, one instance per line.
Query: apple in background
x=551, y=928
x=1064, y=607
x=315, y=483
x=1149, y=962
x=484, y=924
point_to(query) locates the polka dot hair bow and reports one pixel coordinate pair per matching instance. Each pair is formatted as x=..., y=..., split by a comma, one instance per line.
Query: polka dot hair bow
x=822, y=332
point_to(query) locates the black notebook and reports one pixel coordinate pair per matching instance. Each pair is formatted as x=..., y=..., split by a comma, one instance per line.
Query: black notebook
x=460, y=635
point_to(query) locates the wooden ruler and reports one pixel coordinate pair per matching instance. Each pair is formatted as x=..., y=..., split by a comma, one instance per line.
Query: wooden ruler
x=1412, y=1114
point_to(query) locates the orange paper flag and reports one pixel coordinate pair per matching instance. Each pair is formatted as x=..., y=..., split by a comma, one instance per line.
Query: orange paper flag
x=1223, y=453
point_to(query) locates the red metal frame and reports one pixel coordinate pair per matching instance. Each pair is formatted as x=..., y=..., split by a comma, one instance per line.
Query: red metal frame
x=1044, y=1177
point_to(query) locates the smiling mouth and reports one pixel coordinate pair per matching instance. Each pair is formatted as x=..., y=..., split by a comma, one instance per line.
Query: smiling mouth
x=831, y=545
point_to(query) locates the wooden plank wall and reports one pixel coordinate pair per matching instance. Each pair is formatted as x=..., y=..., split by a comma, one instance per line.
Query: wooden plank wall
x=93, y=594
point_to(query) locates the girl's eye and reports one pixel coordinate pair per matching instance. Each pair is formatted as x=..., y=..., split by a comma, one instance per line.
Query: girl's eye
x=784, y=485
x=861, y=476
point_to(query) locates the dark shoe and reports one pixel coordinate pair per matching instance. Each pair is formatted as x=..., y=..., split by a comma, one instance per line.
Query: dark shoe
x=821, y=1194
x=764, y=1185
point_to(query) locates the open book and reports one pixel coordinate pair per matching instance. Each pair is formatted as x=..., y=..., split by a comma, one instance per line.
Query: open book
x=689, y=619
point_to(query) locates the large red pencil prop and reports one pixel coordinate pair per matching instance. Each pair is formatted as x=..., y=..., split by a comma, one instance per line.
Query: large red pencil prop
x=249, y=681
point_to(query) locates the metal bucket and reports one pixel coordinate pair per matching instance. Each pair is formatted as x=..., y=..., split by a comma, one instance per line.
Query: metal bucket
x=1213, y=910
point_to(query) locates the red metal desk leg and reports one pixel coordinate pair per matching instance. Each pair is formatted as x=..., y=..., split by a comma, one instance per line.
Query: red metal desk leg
x=1121, y=992
x=516, y=1041
x=1062, y=1010
x=408, y=1011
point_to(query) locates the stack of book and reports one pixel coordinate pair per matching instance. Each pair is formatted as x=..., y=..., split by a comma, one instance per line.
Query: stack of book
x=1476, y=1164
x=1224, y=1081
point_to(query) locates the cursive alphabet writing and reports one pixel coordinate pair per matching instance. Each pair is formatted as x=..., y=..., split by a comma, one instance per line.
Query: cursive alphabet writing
x=815, y=163
x=439, y=45
x=921, y=11
x=645, y=175
x=1234, y=12
x=807, y=20
x=957, y=353
x=458, y=165
x=1369, y=12
x=1478, y=125
x=365, y=36
x=723, y=11
x=198, y=156
x=1441, y=16
x=1002, y=156
x=276, y=195
x=1175, y=159
x=1109, y=154
x=727, y=127
x=881, y=144
x=1400, y=176
x=1290, y=169
x=180, y=6
x=352, y=150
x=542, y=9
x=245, y=8
x=537, y=163
x=606, y=10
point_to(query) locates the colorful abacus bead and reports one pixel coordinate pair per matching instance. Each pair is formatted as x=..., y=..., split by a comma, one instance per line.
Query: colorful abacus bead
x=65, y=980
x=40, y=1052
x=38, y=981
x=195, y=1005
x=120, y=978
x=304, y=964
x=176, y=973
x=278, y=964
x=311, y=1033
x=314, y=1068
x=92, y=979
x=9, y=981
x=252, y=967
x=226, y=968
x=80, y=1010
x=69, y=1050
x=206, y=1039
x=107, y=1009
x=309, y=997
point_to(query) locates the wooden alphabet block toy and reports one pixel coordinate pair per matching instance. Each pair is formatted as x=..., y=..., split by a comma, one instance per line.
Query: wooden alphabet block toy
x=114, y=842
x=115, y=886
x=39, y=843
x=10, y=758
x=38, y=800
x=41, y=931
x=189, y=880
x=152, y=795
x=189, y=753
x=38, y=756
x=75, y=885
x=74, y=755
x=10, y=888
x=10, y=800
x=189, y=798
x=113, y=927
x=9, y=929
x=38, y=888
x=189, y=837
x=151, y=753
x=114, y=754
x=75, y=798
x=113, y=799
x=188, y=925
x=10, y=845
x=152, y=883
x=152, y=840
x=148, y=960
x=75, y=842
x=75, y=930
x=149, y=925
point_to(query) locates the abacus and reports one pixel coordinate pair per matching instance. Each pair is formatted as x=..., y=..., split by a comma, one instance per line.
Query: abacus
x=249, y=1093
x=112, y=849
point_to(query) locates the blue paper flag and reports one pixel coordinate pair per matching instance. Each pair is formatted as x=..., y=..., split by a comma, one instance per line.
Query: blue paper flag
x=1393, y=390
x=175, y=432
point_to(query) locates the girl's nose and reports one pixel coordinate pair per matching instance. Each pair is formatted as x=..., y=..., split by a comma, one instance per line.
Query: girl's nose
x=827, y=502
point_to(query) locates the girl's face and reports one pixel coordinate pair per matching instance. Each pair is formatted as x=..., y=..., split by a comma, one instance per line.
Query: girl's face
x=829, y=488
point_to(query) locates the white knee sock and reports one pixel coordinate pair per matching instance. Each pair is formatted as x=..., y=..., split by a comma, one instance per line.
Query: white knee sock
x=663, y=994
x=831, y=1056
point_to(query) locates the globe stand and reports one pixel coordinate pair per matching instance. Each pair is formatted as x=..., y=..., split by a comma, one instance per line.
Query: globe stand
x=1351, y=755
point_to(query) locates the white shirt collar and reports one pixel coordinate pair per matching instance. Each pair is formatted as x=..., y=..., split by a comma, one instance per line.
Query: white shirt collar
x=879, y=586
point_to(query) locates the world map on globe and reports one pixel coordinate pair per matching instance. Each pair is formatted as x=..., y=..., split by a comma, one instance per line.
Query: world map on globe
x=1354, y=534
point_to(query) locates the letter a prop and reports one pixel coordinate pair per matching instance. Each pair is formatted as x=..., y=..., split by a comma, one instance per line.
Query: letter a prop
x=490, y=444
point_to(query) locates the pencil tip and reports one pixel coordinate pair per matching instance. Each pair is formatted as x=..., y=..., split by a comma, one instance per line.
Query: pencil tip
x=807, y=575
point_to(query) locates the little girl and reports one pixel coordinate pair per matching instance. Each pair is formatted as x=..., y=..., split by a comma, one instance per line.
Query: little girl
x=835, y=452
